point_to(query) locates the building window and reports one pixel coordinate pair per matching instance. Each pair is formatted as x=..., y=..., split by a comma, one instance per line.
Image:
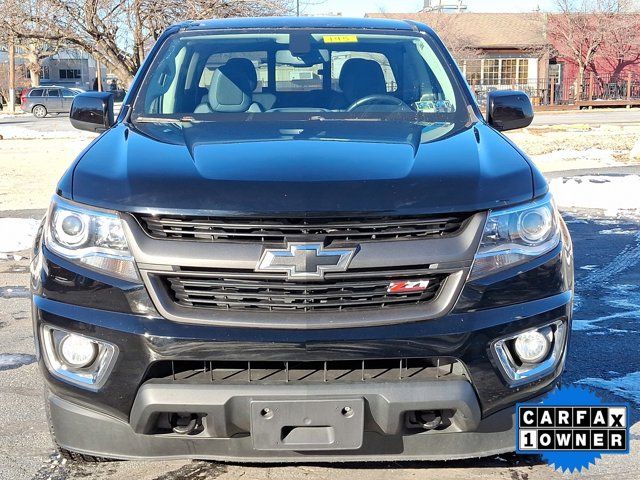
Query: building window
x=496, y=71
x=491, y=71
x=523, y=70
x=44, y=72
x=70, y=74
x=473, y=71
x=509, y=71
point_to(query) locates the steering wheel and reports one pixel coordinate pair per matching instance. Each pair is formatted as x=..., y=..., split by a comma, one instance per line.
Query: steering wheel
x=375, y=100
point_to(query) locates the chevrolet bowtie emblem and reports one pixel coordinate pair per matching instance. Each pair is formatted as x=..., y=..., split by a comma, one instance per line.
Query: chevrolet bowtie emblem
x=305, y=260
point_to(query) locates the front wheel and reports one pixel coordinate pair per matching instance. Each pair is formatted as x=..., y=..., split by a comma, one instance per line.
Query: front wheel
x=39, y=111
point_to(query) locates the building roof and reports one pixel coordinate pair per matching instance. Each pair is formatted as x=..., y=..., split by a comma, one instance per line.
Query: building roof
x=300, y=22
x=484, y=30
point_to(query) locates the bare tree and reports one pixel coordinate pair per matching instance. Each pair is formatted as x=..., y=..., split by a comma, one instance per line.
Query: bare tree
x=622, y=46
x=31, y=47
x=21, y=81
x=448, y=27
x=460, y=44
x=118, y=32
x=583, y=27
x=33, y=51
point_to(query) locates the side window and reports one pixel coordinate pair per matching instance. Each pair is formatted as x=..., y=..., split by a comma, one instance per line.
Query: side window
x=68, y=93
x=338, y=59
x=53, y=92
x=36, y=93
x=259, y=60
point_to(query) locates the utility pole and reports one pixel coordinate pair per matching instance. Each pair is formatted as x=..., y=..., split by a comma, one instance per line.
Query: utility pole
x=12, y=75
x=99, y=74
x=297, y=8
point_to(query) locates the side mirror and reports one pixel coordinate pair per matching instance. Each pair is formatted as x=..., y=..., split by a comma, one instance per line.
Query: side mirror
x=92, y=111
x=509, y=109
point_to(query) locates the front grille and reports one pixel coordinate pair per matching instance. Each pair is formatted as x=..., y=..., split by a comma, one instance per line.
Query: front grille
x=247, y=290
x=343, y=371
x=209, y=229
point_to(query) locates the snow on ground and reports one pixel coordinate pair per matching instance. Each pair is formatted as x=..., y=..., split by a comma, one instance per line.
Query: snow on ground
x=16, y=234
x=618, y=231
x=14, y=360
x=616, y=196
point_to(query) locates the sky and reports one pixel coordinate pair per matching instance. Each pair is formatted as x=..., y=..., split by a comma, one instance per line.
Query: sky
x=357, y=8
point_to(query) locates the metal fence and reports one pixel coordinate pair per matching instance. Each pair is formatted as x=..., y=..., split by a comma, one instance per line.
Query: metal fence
x=593, y=89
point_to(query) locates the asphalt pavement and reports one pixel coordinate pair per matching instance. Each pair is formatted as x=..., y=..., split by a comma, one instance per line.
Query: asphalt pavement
x=598, y=116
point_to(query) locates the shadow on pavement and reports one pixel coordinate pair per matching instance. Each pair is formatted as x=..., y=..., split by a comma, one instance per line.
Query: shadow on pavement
x=507, y=460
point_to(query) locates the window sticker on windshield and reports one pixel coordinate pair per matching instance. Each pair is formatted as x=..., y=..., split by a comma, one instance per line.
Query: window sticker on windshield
x=434, y=106
x=340, y=39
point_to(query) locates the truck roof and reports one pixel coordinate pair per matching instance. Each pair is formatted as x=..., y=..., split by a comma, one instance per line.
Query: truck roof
x=300, y=22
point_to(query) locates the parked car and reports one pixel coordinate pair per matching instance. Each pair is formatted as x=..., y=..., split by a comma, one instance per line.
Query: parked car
x=48, y=99
x=360, y=269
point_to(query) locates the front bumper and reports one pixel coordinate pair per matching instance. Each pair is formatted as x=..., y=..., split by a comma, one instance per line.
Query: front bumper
x=75, y=428
x=117, y=420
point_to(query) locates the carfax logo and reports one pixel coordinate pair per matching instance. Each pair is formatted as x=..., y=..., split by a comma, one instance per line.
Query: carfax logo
x=571, y=428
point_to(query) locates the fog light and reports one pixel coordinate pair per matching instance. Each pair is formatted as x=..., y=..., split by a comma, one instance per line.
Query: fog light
x=532, y=347
x=532, y=354
x=77, y=351
x=83, y=361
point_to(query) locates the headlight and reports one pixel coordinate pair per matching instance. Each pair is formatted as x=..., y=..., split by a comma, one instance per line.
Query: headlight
x=93, y=238
x=516, y=235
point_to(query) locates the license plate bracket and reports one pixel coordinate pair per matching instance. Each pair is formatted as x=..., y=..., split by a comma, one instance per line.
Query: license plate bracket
x=300, y=425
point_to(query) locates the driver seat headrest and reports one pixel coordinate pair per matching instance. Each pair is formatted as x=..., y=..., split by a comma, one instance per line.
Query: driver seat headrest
x=248, y=67
x=231, y=87
x=360, y=78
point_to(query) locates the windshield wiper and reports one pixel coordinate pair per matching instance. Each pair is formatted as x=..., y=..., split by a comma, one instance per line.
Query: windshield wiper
x=185, y=119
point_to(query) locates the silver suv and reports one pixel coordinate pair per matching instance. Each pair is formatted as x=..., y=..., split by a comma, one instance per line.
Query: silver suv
x=44, y=100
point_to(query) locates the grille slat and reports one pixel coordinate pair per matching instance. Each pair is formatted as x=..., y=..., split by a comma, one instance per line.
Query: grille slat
x=309, y=372
x=359, y=290
x=272, y=230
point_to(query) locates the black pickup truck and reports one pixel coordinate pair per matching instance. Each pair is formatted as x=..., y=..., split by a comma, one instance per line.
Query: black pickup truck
x=300, y=240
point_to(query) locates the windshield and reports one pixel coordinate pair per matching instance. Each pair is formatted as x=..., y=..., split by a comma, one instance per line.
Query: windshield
x=322, y=75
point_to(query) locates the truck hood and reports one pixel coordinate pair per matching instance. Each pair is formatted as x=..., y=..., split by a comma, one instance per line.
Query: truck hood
x=340, y=168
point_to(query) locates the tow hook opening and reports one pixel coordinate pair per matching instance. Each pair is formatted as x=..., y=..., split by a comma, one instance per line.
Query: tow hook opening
x=428, y=419
x=185, y=423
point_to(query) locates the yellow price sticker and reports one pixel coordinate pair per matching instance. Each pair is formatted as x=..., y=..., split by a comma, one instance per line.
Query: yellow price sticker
x=340, y=39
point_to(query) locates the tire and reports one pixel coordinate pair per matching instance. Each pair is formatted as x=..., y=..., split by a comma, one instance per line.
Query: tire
x=68, y=454
x=39, y=111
